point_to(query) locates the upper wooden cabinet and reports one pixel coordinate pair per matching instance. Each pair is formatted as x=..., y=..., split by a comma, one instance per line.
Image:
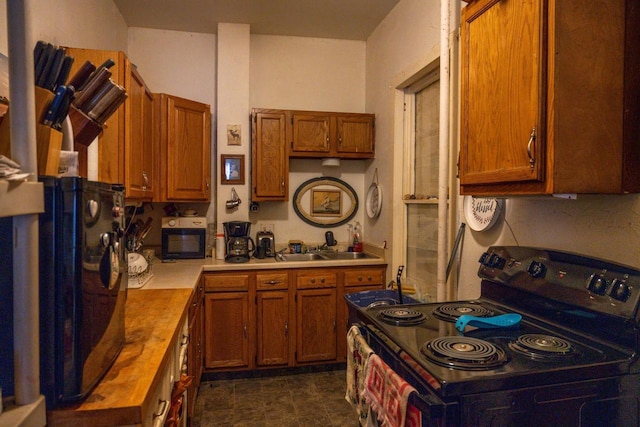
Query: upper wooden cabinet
x=277, y=135
x=142, y=161
x=550, y=99
x=324, y=134
x=184, y=133
x=269, y=162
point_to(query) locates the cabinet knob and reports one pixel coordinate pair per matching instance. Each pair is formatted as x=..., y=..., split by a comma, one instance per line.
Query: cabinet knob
x=145, y=178
x=322, y=280
x=313, y=280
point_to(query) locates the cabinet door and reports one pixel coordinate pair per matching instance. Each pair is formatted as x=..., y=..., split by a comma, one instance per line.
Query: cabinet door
x=269, y=161
x=140, y=155
x=227, y=330
x=503, y=101
x=188, y=150
x=355, y=134
x=316, y=325
x=311, y=133
x=273, y=328
x=195, y=352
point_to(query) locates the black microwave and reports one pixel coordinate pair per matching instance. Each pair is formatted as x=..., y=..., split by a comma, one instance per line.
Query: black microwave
x=184, y=237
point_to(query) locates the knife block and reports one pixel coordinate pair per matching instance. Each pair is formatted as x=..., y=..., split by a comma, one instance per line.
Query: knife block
x=48, y=140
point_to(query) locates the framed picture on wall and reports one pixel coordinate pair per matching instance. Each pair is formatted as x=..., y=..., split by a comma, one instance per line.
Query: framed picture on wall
x=232, y=169
x=326, y=203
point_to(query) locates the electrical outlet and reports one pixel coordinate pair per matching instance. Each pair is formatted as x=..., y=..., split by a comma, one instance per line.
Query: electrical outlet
x=267, y=227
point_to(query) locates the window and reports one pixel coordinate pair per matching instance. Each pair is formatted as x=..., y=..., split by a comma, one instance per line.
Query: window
x=422, y=100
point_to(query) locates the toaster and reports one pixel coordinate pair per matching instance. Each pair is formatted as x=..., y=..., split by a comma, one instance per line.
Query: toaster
x=264, y=239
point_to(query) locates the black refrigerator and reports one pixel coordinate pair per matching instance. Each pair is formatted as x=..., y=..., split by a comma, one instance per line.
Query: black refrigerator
x=83, y=285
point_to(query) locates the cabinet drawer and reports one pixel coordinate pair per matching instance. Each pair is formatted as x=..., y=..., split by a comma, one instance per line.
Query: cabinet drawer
x=315, y=279
x=268, y=281
x=364, y=276
x=226, y=282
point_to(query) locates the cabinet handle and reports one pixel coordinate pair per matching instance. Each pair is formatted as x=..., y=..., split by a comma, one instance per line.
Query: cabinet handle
x=272, y=282
x=340, y=141
x=145, y=178
x=334, y=323
x=286, y=328
x=206, y=181
x=162, y=405
x=244, y=330
x=532, y=140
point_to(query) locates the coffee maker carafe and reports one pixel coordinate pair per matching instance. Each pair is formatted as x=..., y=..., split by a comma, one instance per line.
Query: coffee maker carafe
x=240, y=246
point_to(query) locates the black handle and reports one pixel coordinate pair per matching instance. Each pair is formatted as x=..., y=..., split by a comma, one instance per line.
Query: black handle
x=398, y=282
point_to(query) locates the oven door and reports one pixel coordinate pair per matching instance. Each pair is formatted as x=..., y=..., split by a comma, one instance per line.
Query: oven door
x=183, y=243
x=433, y=410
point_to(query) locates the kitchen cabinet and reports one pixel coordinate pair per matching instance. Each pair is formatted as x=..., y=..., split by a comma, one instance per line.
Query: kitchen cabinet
x=228, y=336
x=126, y=150
x=277, y=318
x=183, y=129
x=272, y=304
x=141, y=168
x=549, y=97
x=326, y=134
x=269, y=162
x=195, y=351
x=358, y=279
x=316, y=315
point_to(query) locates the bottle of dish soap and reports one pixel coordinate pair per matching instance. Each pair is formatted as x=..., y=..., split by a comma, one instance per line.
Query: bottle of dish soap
x=357, y=238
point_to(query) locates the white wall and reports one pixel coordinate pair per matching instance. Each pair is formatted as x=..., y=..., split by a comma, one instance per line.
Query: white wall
x=401, y=45
x=93, y=24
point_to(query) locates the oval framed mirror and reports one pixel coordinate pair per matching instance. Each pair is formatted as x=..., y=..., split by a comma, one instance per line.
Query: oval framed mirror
x=325, y=202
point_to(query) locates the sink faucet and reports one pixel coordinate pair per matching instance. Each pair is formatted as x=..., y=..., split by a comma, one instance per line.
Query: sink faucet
x=279, y=254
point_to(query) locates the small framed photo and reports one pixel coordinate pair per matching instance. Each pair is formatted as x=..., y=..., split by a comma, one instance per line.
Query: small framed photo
x=326, y=203
x=232, y=169
x=234, y=135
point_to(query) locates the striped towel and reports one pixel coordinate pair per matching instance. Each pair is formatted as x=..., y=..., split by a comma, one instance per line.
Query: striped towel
x=357, y=357
x=386, y=392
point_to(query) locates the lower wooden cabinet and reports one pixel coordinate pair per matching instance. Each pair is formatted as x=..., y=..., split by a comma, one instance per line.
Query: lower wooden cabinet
x=316, y=334
x=195, y=352
x=278, y=318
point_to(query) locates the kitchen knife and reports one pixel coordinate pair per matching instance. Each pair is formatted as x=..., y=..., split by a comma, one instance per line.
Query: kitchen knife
x=51, y=69
x=501, y=321
x=81, y=76
x=55, y=105
x=63, y=75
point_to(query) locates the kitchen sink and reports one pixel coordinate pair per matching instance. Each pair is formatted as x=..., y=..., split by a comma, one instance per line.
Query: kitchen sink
x=323, y=256
x=346, y=255
x=312, y=256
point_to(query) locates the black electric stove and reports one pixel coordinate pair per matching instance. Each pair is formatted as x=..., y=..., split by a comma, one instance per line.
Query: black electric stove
x=570, y=361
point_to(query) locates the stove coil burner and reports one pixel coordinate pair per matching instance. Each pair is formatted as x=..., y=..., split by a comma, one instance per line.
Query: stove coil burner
x=451, y=312
x=401, y=316
x=464, y=353
x=546, y=347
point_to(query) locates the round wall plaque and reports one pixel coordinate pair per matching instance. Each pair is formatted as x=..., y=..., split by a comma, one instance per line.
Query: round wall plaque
x=481, y=213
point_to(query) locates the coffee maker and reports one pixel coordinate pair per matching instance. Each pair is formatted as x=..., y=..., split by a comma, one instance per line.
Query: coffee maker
x=240, y=246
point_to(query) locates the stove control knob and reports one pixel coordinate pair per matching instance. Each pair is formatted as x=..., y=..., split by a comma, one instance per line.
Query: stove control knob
x=597, y=285
x=496, y=261
x=620, y=290
x=484, y=258
x=537, y=269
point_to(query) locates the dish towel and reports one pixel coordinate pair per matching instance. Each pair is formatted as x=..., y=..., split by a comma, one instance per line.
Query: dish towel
x=386, y=392
x=357, y=357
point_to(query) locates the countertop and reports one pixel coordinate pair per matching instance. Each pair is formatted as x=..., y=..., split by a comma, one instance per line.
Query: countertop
x=152, y=320
x=154, y=314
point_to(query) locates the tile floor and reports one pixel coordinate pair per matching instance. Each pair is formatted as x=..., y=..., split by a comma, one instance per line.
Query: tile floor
x=290, y=400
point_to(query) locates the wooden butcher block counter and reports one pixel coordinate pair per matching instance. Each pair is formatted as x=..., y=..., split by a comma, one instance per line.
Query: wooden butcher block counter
x=125, y=395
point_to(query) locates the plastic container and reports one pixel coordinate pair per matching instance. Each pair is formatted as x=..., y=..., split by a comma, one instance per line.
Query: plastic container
x=220, y=250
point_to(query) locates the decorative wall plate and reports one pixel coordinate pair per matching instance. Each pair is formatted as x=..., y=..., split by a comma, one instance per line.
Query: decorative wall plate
x=325, y=202
x=481, y=213
x=373, y=204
